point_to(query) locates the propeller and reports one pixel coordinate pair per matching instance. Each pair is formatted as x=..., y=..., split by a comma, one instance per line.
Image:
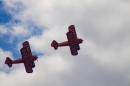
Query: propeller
x=36, y=57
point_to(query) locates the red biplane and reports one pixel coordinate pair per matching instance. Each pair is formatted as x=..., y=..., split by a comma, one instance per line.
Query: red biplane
x=73, y=42
x=27, y=58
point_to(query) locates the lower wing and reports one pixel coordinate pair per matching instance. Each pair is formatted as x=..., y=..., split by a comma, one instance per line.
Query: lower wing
x=72, y=44
x=26, y=60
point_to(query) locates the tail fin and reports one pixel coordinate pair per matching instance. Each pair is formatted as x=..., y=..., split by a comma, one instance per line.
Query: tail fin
x=8, y=61
x=54, y=44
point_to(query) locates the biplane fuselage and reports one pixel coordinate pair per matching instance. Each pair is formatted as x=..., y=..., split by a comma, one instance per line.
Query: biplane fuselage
x=73, y=42
x=27, y=58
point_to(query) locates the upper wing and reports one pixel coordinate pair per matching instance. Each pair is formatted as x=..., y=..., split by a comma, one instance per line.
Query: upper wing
x=72, y=43
x=72, y=29
x=27, y=46
x=26, y=60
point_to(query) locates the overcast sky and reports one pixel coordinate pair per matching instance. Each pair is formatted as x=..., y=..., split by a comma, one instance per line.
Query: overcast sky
x=104, y=58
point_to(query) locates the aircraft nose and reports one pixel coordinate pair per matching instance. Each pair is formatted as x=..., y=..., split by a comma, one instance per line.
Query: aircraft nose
x=36, y=58
x=81, y=40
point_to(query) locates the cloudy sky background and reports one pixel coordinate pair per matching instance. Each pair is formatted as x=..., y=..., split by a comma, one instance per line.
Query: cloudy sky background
x=104, y=56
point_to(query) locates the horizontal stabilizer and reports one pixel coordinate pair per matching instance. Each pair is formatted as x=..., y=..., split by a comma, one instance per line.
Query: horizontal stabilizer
x=8, y=61
x=54, y=44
